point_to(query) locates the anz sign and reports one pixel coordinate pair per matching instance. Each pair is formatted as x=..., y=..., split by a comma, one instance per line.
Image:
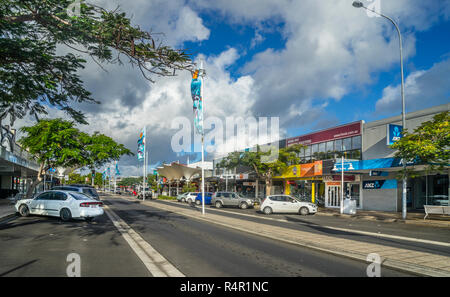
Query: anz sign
x=393, y=133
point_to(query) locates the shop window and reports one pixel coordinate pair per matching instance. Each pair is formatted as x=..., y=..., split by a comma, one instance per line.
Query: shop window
x=330, y=146
x=346, y=144
x=314, y=149
x=355, y=154
x=322, y=147
x=338, y=145
x=356, y=142
x=307, y=151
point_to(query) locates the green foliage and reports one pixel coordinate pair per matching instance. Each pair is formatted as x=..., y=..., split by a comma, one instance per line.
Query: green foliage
x=130, y=181
x=429, y=143
x=76, y=178
x=167, y=197
x=189, y=187
x=34, y=75
x=54, y=143
x=100, y=149
x=58, y=143
x=255, y=160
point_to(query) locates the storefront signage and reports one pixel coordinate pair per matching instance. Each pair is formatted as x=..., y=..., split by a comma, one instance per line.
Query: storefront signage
x=380, y=184
x=340, y=132
x=303, y=170
x=393, y=133
x=242, y=176
x=378, y=173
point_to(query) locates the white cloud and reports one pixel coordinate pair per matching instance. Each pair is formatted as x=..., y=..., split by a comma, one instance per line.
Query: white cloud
x=423, y=88
x=331, y=48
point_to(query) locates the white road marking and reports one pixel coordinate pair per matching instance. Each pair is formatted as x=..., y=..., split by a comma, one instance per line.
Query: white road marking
x=156, y=264
x=439, y=243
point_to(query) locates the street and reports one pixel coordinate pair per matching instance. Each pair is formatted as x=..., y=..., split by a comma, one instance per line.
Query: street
x=38, y=246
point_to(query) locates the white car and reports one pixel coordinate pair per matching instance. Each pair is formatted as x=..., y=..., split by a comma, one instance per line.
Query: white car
x=190, y=198
x=63, y=204
x=286, y=204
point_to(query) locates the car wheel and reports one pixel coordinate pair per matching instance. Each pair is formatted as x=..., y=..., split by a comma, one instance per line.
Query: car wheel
x=267, y=210
x=244, y=205
x=189, y=201
x=24, y=211
x=218, y=204
x=197, y=202
x=183, y=200
x=65, y=215
x=304, y=211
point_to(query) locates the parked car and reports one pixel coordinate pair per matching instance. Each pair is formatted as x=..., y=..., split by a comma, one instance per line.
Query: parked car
x=63, y=204
x=221, y=199
x=148, y=195
x=208, y=197
x=87, y=190
x=182, y=197
x=286, y=204
x=190, y=197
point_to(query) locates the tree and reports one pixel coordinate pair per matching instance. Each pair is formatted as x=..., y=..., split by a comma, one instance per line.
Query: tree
x=429, y=144
x=189, y=187
x=58, y=143
x=130, y=181
x=52, y=143
x=33, y=75
x=264, y=170
x=76, y=178
x=100, y=149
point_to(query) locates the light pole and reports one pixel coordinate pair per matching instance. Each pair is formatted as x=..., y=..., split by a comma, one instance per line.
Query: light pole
x=359, y=4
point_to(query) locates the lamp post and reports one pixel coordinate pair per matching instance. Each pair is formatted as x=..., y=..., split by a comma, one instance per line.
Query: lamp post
x=359, y=4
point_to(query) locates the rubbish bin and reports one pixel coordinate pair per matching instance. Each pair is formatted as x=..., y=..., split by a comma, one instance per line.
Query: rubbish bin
x=349, y=206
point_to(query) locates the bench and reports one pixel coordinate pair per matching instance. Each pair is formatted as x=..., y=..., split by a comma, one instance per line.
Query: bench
x=436, y=209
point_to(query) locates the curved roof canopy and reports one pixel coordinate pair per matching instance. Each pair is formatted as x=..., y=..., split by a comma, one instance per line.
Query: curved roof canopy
x=176, y=171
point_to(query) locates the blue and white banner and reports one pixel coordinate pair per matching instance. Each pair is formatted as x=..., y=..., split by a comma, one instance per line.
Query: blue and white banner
x=380, y=184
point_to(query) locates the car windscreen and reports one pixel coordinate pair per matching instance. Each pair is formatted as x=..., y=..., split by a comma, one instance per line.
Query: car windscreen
x=79, y=196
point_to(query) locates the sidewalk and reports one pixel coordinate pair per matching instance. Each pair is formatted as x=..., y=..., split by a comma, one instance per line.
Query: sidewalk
x=6, y=209
x=412, y=217
x=420, y=263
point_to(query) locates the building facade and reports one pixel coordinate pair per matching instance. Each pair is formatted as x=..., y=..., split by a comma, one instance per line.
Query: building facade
x=17, y=168
x=356, y=156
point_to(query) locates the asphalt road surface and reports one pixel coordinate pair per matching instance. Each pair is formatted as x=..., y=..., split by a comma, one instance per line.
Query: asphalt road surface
x=39, y=246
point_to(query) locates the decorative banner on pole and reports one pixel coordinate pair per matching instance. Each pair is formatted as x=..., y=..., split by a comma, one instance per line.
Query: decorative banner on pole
x=197, y=100
x=141, y=146
x=117, y=168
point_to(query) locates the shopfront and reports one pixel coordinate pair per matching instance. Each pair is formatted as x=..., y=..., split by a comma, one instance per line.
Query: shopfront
x=333, y=192
x=304, y=181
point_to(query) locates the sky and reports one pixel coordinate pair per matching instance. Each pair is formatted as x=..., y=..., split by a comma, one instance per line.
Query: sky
x=313, y=64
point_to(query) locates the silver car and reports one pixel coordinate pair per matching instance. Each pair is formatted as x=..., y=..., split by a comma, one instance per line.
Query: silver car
x=221, y=199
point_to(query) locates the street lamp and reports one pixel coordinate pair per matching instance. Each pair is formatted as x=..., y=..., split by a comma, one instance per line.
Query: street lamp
x=359, y=4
